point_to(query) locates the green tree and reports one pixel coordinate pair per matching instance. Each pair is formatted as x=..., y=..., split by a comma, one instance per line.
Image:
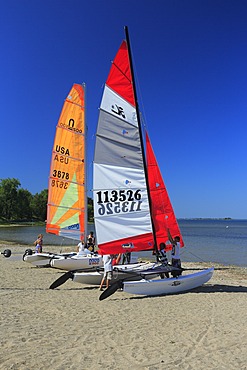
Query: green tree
x=8, y=198
x=24, y=199
x=39, y=204
x=19, y=204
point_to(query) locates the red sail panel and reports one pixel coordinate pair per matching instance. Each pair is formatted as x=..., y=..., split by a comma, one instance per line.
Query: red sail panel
x=134, y=244
x=119, y=78
x=162, y=212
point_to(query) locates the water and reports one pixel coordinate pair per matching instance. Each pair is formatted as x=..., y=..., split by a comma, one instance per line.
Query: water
x=222, y=241
x=28, y=234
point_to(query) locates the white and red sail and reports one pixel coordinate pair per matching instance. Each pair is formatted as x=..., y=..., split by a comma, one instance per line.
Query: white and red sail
x=122, y=196
x=121, y=205
x=162, y=211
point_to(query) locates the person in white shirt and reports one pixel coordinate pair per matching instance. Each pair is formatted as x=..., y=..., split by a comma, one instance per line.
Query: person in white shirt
x=81, y=250
x=107, y=260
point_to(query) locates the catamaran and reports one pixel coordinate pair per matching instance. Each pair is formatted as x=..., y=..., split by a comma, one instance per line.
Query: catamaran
x=132, y=209
x=67, y=190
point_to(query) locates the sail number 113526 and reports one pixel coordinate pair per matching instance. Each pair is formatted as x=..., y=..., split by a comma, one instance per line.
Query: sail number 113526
x=116, y=201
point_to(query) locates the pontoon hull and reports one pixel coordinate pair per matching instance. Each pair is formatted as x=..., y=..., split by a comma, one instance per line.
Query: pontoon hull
x=168, y=286
x=77, y=262
x=43, y=259
x=119, y=273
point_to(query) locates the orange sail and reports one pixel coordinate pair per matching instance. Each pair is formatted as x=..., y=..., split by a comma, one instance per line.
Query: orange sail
x=163, y=215
x=67, y=201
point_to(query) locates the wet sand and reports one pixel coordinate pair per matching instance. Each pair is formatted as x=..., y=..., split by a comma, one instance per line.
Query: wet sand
x=69, y=328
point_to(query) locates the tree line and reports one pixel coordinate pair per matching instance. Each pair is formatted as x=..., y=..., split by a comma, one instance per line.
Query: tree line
x=19, y=205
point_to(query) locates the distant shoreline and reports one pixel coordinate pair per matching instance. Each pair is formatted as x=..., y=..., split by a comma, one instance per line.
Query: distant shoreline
x=27, y=224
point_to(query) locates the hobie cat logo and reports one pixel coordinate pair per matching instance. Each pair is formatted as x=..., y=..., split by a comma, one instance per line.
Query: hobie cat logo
x=128, y=246
x=118, y=110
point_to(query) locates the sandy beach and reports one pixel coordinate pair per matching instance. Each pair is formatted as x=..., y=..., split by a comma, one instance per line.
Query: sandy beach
x=69, y=328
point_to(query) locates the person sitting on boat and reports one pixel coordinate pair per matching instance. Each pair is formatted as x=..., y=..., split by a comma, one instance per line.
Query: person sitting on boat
x=163, y=258
x=91, y=241
x=176, y=262
x=39, y=244
x=82, y=250
x=107, y=260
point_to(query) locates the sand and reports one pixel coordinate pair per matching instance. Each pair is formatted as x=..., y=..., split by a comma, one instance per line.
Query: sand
x=69, y=328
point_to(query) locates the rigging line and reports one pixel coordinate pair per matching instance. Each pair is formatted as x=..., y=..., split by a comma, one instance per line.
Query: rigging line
x=194, y=255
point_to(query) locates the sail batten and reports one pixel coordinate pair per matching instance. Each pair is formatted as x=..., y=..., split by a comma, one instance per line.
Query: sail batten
x=66, y=212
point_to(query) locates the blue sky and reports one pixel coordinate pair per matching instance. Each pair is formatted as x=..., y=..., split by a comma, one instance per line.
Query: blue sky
x=190, y=59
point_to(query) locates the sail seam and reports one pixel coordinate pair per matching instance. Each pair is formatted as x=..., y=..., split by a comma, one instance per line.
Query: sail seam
x=120, y=70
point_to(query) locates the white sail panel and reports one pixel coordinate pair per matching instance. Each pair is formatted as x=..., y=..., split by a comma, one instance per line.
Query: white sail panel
x=117, y=106
x=116, y=177
x=115, y=228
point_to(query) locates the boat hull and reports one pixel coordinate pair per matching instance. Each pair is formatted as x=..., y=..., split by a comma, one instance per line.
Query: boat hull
x=43, y=259
x=77, y=262
x=120, y=272
x=168, y=286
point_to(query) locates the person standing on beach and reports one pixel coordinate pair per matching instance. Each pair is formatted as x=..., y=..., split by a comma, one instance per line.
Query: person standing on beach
x=163, y=258
x=126, y=257
x=176, y=262
x=107, y=260
x=39, y=244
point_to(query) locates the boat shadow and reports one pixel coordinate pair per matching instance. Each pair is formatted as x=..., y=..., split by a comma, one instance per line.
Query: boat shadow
x=220, y=288
x=216, y=288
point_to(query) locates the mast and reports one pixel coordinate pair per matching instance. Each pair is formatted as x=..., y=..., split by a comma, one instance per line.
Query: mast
x=141, y=136
x=85, y=166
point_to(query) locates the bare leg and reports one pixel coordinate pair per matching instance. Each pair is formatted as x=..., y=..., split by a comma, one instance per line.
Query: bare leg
x=107, y=283
x=102, y=283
